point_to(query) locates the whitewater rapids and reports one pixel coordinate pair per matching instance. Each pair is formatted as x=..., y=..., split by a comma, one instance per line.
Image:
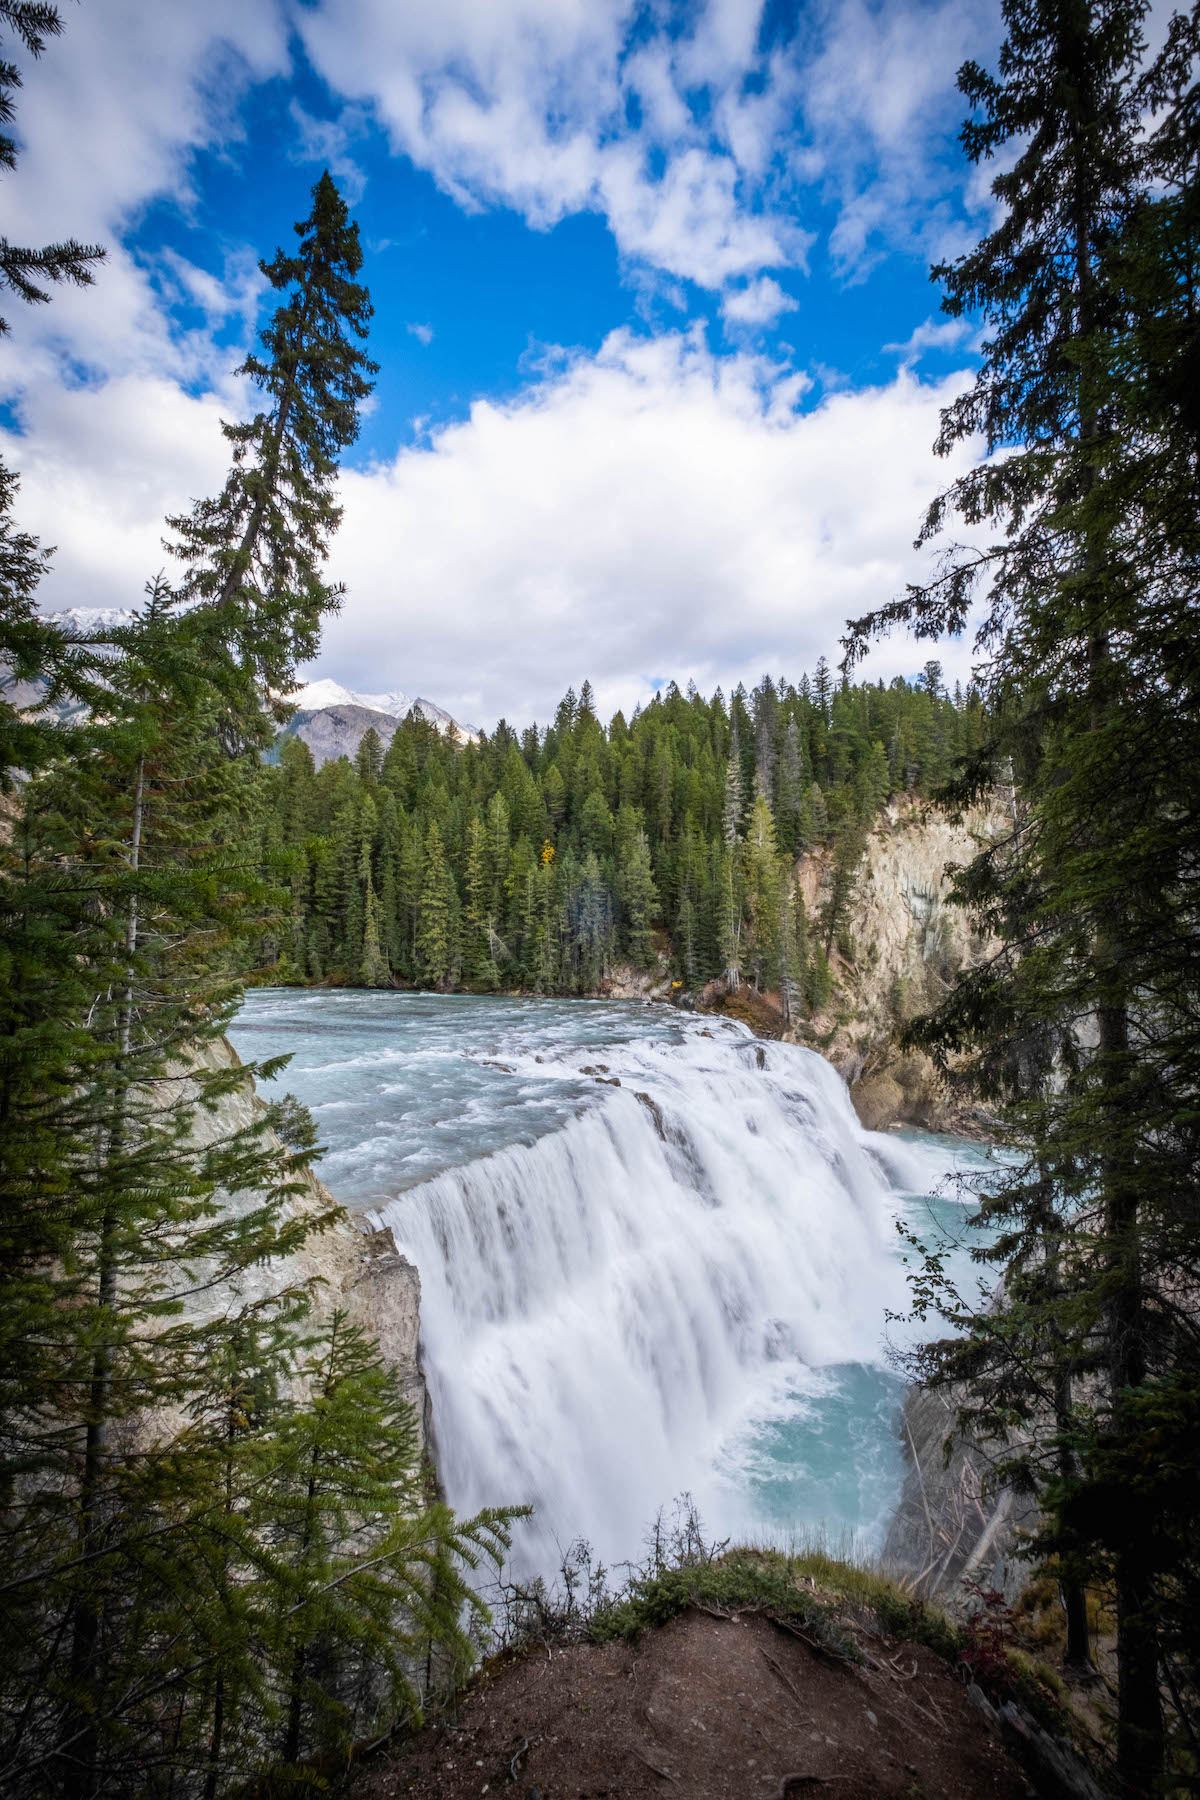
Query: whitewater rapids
x=656, y=1255
x=603, y=1309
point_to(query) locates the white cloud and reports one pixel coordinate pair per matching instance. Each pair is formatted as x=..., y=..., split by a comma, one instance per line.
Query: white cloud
x=878, y=98
x=119, y=414
x=931, y=334
x=758, y=303
x=327, y=141
x=113, y=109
x=649, y=511
x=422, y=333
x=699, y=148
x=533, y=104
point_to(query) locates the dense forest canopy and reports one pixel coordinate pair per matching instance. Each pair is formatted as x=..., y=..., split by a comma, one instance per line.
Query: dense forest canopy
x=538, y=860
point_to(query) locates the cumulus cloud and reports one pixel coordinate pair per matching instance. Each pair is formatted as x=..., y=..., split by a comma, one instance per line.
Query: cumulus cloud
x=118, y=412
x=878, y=99
x=422, y=333
x=701, y=148
x=650, y=511
x=758, y=303
x=931, y=334
x=545, y=106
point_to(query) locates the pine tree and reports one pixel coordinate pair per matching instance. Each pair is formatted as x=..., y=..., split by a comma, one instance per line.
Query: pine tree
x=791, y=954
x=735, y=794
x=374, y=965
x=764, y=884
x=376, y=1574
x=254, y=554
x=478, y=954
x=435, y=924
x=822, y=690
x=849, y=847
x=101, y=1310
x=1090, y=584
x=638, y=900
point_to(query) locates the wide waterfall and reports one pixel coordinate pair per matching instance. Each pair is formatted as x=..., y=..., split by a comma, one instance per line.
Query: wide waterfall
x=656, y=1255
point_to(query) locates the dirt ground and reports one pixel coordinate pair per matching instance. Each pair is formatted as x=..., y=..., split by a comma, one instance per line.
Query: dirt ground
x=707, y=1708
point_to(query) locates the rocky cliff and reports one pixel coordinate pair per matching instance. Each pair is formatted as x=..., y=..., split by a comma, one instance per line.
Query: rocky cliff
x=952, y=1525
x=906, y=944
x=348, y=1266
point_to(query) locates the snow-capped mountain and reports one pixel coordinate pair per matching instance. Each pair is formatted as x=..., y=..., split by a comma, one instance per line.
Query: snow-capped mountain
x=85, y=619
x=332, y=719
x=320, y=695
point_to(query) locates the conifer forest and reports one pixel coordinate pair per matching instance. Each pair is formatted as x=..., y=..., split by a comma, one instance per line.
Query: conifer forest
x=238, y=1552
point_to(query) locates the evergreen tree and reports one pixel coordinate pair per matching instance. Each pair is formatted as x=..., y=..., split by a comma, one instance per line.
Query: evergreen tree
x=735, y=794
x=764, y=884
x=638, y=899
x=848, y=849
x=376, y=1574
x=1092, y=597
x=141, y=1391
x=677, y=774
x=254, y=555
x=435, y=923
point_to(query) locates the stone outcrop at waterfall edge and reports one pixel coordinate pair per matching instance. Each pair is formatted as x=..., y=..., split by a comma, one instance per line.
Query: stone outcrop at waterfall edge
x=951, y=1526
x=907, y=943
x=361, y=1271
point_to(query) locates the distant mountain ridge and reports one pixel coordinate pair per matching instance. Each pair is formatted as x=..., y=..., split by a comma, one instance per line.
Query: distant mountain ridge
x=330, y=718
x=318, y=696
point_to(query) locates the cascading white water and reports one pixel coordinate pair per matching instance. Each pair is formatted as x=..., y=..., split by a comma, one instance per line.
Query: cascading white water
x=676, y=1284
x=606, y=1308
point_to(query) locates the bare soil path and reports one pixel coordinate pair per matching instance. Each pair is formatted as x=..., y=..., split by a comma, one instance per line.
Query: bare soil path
x=705, y=1708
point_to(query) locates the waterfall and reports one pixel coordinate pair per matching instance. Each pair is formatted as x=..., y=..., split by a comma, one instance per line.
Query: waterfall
x=604, y=1306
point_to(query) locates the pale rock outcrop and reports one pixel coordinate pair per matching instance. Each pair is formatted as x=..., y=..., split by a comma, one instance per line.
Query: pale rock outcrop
x=908, y=943
x=347, y=1265
x=954, y=1525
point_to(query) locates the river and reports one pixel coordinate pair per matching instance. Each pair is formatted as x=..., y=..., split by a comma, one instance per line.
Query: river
x=657, y=1255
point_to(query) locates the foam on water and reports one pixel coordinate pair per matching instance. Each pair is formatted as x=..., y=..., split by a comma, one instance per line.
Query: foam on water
x=680, y=1282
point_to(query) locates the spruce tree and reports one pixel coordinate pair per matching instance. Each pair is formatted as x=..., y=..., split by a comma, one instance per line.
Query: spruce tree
x=1092, y=598
x=254, y=554
x=435, y=924
x=376, y=1572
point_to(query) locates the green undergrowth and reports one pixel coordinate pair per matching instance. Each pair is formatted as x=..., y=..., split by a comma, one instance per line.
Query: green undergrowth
x=829, y=1601
x=826, y=1598
x=739, y=1581
x=875, y=1600
x=821, y=1595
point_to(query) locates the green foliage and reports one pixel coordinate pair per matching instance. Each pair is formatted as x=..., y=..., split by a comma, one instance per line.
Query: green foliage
x=22, y=270
x=739, y=1580
x=1083, y=1027
x=215, y=1536
x=254, y=553
x=647, y=825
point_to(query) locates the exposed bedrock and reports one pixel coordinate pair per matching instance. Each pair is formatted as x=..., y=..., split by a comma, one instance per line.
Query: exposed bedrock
x=950, y=1526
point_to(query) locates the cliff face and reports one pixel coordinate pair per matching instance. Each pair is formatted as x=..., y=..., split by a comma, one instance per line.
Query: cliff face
x=950, y=1527
x=359, y=1270
x=908, y=943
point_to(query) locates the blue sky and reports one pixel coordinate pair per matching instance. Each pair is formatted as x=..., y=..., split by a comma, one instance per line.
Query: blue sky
x=660, y=357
